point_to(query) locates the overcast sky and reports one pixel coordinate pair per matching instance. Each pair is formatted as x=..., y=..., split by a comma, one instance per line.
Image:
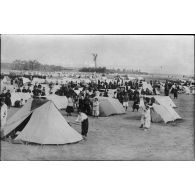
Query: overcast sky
x=165, y=54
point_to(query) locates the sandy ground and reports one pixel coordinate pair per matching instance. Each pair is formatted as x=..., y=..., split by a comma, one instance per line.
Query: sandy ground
x=119, y=138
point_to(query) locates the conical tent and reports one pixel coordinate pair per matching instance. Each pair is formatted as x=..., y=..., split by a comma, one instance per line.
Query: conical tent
x=165, y=101
x=61, y=102
x=160, y=113
x=186, y=90
x=146, y=85
x=110, y=106
x=17, y=96
x=18, y=117
x=25, y=80
x=46, y=125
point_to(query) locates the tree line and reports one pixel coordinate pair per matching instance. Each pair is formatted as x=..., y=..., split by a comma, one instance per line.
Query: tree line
x=105, y=70
x=34, y=65
x=92, y=69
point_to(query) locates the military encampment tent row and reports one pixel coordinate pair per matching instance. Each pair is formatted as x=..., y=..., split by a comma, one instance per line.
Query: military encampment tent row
x=61, y=102
x=39, y=121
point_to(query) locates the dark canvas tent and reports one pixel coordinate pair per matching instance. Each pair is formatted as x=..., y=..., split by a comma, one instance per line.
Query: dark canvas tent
x=40, y=123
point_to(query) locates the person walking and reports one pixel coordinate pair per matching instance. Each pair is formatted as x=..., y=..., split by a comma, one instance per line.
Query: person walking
x=83, y=119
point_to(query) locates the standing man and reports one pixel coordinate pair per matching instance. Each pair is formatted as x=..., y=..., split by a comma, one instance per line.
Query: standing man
x=145, y=116
x=3, y=114
x=125, y=101
x=174, y=90
x=8, y=98
x=83, y=119
x=96, y=108
x=70, y=108
x=166, y=89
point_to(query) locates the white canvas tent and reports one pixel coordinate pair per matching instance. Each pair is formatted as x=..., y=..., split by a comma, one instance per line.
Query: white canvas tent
x=147, y=86
x=17, y=96
x=186, y=90
x=38, y=80
x=25, y=80
x=78, y=90
x=110, y=106
x=160, y=113
x=61, y=102
x=18, y=117
x=163, y=100
x=42, y=125
x=5, y=80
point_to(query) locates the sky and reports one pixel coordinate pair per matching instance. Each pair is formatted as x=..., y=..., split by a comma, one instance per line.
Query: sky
x=151, y=53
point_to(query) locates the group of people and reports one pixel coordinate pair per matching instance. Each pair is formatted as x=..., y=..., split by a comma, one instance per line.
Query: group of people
x=87, y=105
x=86, y=101
x=175, y=88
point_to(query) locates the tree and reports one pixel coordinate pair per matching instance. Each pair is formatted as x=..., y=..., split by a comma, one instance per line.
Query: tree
x=34, y=65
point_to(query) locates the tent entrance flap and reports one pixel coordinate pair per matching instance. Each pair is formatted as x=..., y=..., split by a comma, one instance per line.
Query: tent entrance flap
x=14, y=133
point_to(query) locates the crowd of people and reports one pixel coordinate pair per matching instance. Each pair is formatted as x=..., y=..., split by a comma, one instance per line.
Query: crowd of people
x=84, y=97
x=125, y=91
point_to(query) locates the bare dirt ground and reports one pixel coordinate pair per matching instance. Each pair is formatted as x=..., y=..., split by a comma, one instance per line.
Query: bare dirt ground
x=119, y=138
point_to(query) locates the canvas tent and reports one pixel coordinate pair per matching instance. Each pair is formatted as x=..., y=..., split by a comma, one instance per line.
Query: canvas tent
x=78, y=90
x=163, y=100
x=146, y=85
x=5, y=80
x=17, y=96
x=157, y=91
x=38, y=80
x=189, y=90
x=41, y=125
x=25, y=80
x=61, y=102
x=186, y=90
x=160, y=113
x=110, y=106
